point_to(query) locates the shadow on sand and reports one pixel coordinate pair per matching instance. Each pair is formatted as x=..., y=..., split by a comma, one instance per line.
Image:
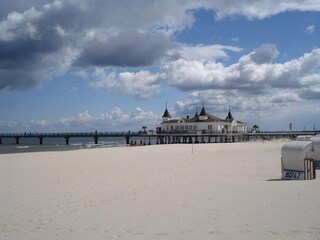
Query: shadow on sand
x=276, y=179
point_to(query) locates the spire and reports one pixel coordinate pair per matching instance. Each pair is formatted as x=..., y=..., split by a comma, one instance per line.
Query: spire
x=166, y=113
x=203, y=111
x=196, y=115
x=229, y=117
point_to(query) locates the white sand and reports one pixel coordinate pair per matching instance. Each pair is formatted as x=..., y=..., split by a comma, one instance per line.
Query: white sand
x=220, y=191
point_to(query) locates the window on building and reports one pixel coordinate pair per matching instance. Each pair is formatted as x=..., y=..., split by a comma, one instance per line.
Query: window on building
x=195, y=127
x=209, y=127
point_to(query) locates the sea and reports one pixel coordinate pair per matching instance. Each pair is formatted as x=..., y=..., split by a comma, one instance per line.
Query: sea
x=58, y=144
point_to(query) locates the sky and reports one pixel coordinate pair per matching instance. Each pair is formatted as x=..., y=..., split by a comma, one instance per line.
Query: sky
x=114, y=65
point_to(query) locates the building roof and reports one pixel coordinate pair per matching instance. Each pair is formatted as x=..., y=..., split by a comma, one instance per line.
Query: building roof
x=197, y=118
x=166, y=114
x=229, y=117
x=203, y=112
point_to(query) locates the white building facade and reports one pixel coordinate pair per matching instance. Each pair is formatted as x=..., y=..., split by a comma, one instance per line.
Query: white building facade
x=204, y=122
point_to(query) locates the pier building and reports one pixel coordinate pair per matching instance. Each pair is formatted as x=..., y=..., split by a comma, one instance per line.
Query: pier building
x=203, y=122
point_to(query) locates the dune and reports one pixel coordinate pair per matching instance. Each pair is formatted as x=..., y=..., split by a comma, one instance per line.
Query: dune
x=181, y=191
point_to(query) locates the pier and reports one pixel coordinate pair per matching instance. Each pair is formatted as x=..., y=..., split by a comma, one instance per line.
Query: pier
x=163, y=137
x=66, y=136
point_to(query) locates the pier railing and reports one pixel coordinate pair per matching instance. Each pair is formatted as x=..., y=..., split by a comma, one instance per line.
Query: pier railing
x=164, y=137
x=71, y=134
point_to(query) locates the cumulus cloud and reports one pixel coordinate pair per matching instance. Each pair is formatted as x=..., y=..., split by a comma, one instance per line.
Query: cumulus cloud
x=253, y=73
x=206, y=52
x=115, y=120
x=81, y=74
x=116, y=115
x=37, y=35
x=110, y=121
x=218, y=102
x=37, y=44
x=141, y=85
x=139, y=115
x=20, y=25
x=30, y=50
x=267, y=53
x=269, y=110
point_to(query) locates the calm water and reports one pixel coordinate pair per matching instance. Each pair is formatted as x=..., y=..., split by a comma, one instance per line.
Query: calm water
x=58, y=144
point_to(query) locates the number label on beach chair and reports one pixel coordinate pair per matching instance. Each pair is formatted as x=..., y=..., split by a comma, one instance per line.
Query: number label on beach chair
x=292, y=175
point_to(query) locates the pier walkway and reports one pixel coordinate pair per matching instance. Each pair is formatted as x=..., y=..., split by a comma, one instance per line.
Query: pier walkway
x=163, y=137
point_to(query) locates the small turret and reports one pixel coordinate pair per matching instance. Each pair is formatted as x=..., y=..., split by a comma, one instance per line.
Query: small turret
x=203, y=114
x=166, y=115
x=196, y=115
x=229, y=117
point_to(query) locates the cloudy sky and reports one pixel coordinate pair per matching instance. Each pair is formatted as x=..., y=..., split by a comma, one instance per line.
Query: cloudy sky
x=110, y=65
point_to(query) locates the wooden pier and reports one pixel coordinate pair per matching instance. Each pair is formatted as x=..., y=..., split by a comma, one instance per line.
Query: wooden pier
x=163, y=137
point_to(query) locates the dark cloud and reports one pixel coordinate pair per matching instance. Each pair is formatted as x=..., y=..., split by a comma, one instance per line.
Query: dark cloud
x=33, y=42
x=8, y=6
x=265, y=54
x=131, y=48
x=310, y=93
x=36, y=36
x=23, y=63
x=20, y=79
x=28, y=50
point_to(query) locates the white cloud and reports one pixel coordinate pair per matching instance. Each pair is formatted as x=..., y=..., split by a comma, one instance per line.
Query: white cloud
x=141, y=85
x=206, y=52
x=193, y=74
x=258, y=8
x=124, y=121
x=67, y=56
x=310, y=29
x=42, y=123
x=253, y=73
x=266, y=53
x=115, y=120
x=272, y=111
x=96, y=33
x=139, y=115
x=116, y=116
x=60, y=31
x=82, y=74
x=19, y=25
x=84, y=117
x=63, y=121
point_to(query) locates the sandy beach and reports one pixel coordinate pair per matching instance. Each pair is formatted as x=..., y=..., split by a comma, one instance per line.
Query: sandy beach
x=200, y=191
